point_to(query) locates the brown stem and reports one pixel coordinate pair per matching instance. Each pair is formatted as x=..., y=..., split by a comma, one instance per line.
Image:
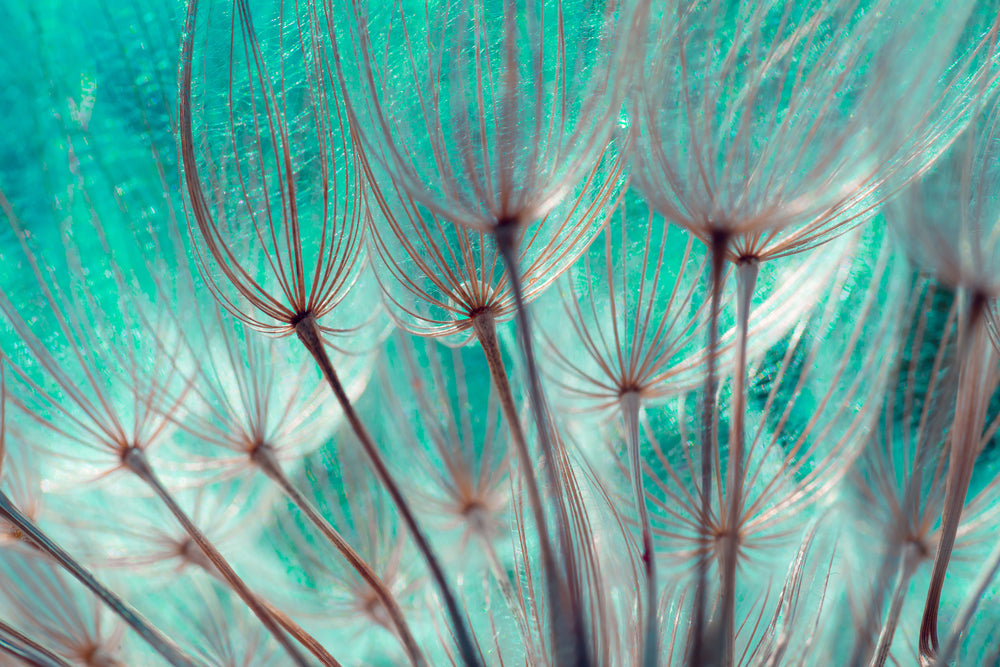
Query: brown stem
x=14, y=642
x=967, y=428
x=717, y=251
x=968, y=609
x=300, y=635
x=308, y=332
x=264, y=457
x=629, y=405
x=197, y=557
x=166, y=648
x=908, y=562
x=863, y=640
x=576, y=651
x=746, y=280
x=484, y=326
x=136, y=461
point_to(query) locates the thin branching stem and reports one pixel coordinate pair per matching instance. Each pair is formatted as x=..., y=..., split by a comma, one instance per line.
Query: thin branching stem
x=909, y=559
x=506, y=240
x=746, y=280
x=136, y=461
x=309, y=334
x=863, y=638
x=309, y=642
x=15, y=643
x=630, y=412
x=484, y=326
x=160, y=643
x=265, y=459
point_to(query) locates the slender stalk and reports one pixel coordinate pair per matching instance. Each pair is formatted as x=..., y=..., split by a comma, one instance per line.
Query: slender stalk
x=284, y=620
x=484, y=326
x=197, y=557
x=136, y=461
x=15, y=643
x=908, y=562
x=972, y=600
x=746, y=280
x=863, y=648
x=159, y=643
x=629, y=405
x=970, y=414
x=264, y=457
x=308, y=332
x=717, y=251
x=32, y=655
x=301, y=636
x=506, y=240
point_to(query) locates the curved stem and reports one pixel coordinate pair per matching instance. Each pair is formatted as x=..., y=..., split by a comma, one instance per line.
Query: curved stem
x=166, y=648
x=265, y=460
x=14, y=642
x=972, y=600
x=629, y=404
x=746, y=280
x=136, y=461
x=973, y=397
x=308, y=332
x=717, y=251
x=577, y=653
x=484, y=326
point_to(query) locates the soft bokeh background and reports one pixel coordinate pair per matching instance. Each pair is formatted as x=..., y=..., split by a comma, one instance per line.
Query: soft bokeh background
x=87, y=130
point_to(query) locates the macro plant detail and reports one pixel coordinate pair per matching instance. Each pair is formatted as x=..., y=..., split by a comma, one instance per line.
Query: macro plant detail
x=482, y=332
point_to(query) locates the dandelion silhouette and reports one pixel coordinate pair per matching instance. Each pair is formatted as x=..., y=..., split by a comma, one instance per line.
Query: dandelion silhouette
x=780, y=152
x=756, y=429
x=51, y=609
x=308, y=225
x=903, y=469
x=965, y=259
x=509, y=113
x=31, y=534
